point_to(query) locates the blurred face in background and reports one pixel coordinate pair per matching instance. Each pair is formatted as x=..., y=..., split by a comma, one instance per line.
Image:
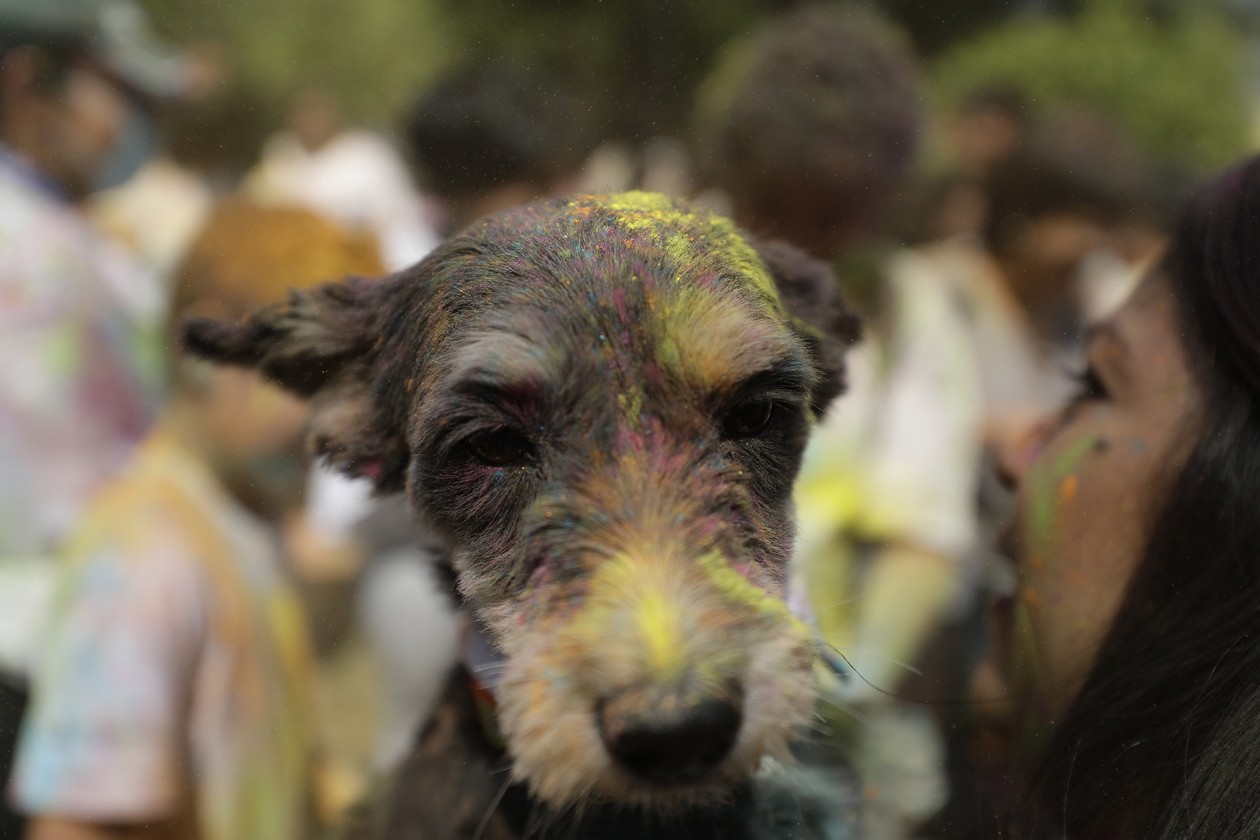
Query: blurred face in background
x=315, y=117
x=1089, y=482
x=248, y=256
x=1040, y=258
x=68, y=123
x=982, y=136
x=251, y=430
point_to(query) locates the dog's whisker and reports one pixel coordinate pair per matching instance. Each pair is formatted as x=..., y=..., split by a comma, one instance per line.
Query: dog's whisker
x=813, y=741
x=831, y=660
x=818, y=724
x=843, y=603
x=906, y=665
x=851, y=710
x=494, y=806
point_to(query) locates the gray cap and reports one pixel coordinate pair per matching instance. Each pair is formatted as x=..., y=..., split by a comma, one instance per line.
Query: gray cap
x=115, y=32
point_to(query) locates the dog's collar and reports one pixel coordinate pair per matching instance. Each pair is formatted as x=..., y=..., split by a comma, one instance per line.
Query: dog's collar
x=484, y=665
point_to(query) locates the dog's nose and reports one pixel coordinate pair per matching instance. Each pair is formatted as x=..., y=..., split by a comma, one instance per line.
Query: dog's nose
x=671, y=739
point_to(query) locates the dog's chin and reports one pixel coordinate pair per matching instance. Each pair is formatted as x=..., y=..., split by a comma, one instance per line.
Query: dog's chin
x=714, y=788
x=612, y=785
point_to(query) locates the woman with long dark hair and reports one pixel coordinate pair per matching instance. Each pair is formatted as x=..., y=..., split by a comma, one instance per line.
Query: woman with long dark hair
x=1129, y=656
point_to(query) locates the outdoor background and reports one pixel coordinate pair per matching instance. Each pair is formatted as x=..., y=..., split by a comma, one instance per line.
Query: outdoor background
x=1182, y=76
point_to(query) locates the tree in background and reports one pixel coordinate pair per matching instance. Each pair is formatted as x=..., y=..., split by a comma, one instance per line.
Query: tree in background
x=1177, y=85
x=370, y=52
x=373, y=54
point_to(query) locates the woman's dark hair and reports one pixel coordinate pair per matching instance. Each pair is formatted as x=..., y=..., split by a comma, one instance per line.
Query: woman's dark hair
x=1164, y=737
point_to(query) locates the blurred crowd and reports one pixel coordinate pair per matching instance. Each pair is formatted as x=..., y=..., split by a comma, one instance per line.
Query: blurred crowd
x=204, y=634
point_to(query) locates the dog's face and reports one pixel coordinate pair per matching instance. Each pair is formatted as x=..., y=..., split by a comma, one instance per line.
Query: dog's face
x=601, y=404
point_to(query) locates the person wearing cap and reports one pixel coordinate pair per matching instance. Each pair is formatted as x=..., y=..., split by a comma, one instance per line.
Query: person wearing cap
x=79, y=367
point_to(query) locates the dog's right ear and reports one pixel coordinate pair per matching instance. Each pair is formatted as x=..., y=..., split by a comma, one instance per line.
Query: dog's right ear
x=811, y=294
x=321, y=344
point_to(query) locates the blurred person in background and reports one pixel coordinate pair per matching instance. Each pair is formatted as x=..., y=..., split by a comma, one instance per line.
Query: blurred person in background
x=173, y=696
x=156, y=214
x=978, y=137
x=158, y=211
x=79, y=322
x=1075, y=185
x=812, y=142
x=1072, y=220
x=986, y=130
x=352, y=176
x=810, y=125
x=495, y=136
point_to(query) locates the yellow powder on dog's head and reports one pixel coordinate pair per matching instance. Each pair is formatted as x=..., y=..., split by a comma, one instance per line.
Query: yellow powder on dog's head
x=644, y=597
x=685, y=234
x=659, y=620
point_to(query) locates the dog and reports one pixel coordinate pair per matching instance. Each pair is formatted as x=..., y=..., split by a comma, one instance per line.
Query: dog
x=599, y=404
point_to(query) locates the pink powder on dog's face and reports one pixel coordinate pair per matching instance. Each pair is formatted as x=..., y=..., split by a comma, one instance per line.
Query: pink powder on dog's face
x=371, y=469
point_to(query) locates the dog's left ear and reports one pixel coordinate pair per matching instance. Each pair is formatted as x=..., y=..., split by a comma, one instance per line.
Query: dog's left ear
x=320, y=344
x=810, y=293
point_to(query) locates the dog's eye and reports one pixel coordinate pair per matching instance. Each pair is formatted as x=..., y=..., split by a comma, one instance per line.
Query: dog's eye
x=748, y=419
x=498, y=447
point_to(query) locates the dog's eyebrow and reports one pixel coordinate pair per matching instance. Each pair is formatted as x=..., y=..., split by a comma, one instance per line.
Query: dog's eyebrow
x=716, y=345
x=502, y=359
x=786, y=375
x=504, y=370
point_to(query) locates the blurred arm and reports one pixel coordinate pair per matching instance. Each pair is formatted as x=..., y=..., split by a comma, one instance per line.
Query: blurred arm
x=48, y=828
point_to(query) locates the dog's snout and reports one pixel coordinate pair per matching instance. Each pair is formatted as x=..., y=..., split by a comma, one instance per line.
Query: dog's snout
x=673, y=738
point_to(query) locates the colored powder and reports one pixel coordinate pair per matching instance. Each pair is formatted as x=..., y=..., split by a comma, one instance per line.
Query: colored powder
x=740, y=590
x=1046, y=491
x=1030, y=597
x=1067, y=490
x=659, y=623
x=1027, y=656
x=657, y=216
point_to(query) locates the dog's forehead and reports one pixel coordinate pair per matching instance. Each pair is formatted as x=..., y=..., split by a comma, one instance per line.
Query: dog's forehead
x=635, y=277
x=701, y=248
x=553, y=247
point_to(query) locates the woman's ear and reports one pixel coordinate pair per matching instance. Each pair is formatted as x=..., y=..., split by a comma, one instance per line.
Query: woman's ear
x=321, y=344
x=810, y=293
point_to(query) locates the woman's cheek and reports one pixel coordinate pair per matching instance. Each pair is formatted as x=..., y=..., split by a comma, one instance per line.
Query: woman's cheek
x=1052, y=490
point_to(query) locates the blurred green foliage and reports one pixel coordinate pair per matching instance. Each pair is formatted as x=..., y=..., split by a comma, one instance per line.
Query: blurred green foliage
x=636, y=61
x=1177, y=85
x=1175, y=80
x=374, y=53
